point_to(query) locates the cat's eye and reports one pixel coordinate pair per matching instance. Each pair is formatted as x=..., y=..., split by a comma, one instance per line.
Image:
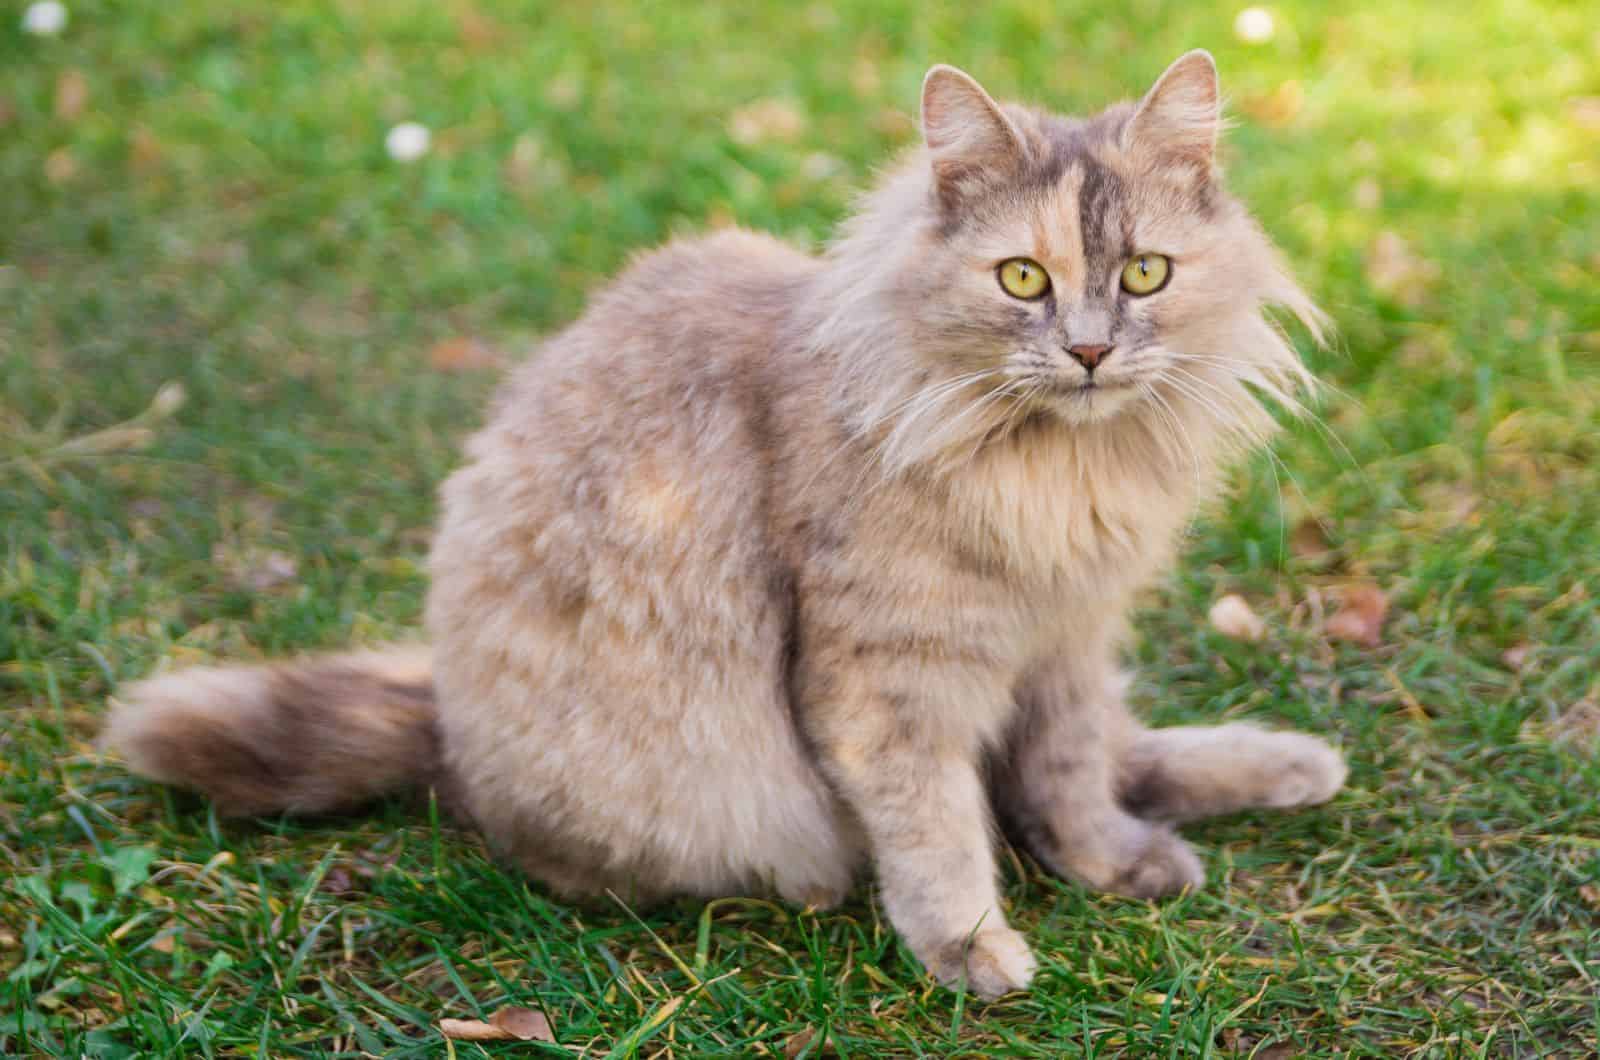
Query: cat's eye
x=1023, y=278
x=1146, y=274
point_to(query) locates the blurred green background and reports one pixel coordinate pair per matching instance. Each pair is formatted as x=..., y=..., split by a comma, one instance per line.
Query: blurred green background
x=199, y=196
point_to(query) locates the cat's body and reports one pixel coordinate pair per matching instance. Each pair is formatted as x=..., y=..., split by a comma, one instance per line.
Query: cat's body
x=773, y=565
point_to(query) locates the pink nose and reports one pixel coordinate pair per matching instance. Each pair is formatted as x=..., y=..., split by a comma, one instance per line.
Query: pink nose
x=1089, y=356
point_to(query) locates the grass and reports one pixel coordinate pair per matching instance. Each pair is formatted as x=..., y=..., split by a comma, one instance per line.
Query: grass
x=199, y=194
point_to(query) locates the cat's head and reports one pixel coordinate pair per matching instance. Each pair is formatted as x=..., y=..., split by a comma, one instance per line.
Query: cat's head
x=1083, y=268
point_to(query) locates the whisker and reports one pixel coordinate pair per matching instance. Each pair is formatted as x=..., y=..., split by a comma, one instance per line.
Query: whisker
x=1170, y=415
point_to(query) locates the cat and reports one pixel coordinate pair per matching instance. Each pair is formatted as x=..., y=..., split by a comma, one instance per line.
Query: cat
x=772, y=566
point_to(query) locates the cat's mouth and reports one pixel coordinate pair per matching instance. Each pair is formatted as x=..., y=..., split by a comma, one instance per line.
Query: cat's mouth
x=1091, y=400
x=1088, y=387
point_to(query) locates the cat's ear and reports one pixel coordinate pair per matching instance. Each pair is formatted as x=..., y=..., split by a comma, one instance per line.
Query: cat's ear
x=1180, y=117
x=970, y=140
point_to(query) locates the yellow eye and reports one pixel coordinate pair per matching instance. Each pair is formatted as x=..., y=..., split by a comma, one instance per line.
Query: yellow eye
x=1146, y=274
x=1024, y=278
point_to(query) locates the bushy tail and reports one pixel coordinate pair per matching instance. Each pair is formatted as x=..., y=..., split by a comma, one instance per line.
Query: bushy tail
x=308, y=736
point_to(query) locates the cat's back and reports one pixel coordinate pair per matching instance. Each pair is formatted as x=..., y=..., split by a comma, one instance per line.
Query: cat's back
x=682, y=314
x=639, y=437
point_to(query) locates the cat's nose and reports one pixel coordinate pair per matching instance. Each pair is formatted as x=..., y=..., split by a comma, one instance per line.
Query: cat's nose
x=1089, y=355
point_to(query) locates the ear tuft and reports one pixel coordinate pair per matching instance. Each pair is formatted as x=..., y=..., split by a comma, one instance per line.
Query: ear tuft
x=1179, y=118
x=968, y=136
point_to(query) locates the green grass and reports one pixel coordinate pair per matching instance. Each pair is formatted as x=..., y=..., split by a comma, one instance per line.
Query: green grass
x=220, y=212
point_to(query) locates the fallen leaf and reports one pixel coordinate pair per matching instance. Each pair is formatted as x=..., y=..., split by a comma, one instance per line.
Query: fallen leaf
x=462, y=354
x=513, y=1024
x=1516, y=656
x=1232, y=617
x=1362, y=609
x=72, y=94
x=1397, y=271
x=1585, y=111
x=60, y=166
x=1578, y=725
x=1590, y=895
x=144, y=150
x=1278, y=107
x=865, y=78
x=255, y=569
x=479, y=32
x=1309, y=542
x=766, y=119
x=338, y=881
x=564, y=91
x=524, y=1024
x=893, y=123
x=799, y=1043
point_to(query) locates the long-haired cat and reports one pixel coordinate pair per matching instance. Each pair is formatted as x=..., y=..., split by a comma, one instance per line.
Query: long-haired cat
x=772, y=566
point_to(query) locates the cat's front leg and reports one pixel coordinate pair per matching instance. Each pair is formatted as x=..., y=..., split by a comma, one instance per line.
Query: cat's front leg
x=911, y=775
x=1055, y=785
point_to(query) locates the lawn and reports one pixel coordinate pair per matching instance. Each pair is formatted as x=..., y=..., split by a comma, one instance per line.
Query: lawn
x=198, y=195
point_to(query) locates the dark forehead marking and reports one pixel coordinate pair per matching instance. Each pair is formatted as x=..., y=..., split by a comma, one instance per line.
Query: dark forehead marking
x=1061, y=145
x=1060, y=142
x=1103, y=218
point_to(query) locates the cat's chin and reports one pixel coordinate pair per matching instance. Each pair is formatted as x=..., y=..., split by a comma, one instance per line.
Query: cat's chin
x=1085, y=405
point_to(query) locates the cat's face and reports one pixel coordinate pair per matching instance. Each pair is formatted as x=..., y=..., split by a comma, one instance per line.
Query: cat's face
x=1086, y=267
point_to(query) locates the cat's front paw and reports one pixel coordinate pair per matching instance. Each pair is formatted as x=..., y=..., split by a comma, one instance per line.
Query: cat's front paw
x=994, y=961
x=1306, y=772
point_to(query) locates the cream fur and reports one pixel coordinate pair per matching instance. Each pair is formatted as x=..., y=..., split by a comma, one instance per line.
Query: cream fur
x=773, y=566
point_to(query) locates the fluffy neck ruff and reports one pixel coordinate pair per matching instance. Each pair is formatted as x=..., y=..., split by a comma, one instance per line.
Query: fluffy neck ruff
x=1037, y=487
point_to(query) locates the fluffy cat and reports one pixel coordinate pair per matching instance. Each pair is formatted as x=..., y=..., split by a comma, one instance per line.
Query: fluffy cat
x=772, y=566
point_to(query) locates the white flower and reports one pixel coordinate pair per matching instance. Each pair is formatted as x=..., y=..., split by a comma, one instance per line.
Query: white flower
x=407, y=141
x=1254, y=25
x=45, y=18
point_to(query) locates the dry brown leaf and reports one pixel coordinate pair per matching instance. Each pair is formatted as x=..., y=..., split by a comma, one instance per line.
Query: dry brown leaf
x=462, y=354
x=1394, y=269
x=144, y=150
x=60, y=166
x=766, y=119
x=1590, y=895
x=894, y=124
x=479, y=32
x=798, y=1043
x=1516, y=656
x=1278, y=107
x=1232, y=617
x=1578, y=725
x=338, y=881
x=524, y=1024
x=72, y=94
x=1362, y=609
x=1585, y=111
x=512, y=1024
x=1308, y=541
x=255, y=569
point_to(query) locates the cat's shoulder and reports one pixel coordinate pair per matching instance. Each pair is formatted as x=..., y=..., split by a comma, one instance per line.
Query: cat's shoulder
x=728, y=259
